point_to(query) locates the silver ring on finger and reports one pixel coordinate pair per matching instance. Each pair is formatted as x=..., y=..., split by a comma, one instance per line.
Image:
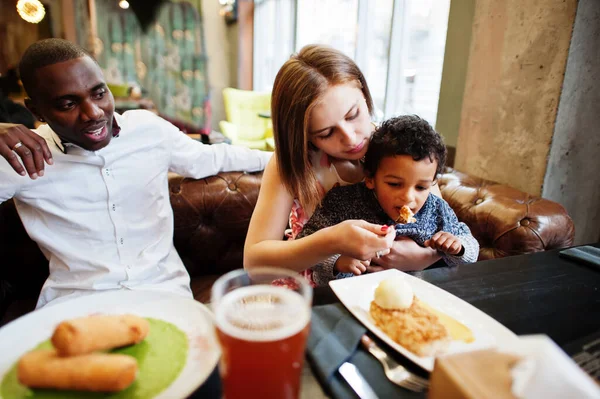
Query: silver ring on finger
x=16, y=146
x=379, y=254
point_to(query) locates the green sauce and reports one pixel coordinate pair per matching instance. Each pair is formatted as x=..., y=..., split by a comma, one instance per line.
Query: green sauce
x=161, y=357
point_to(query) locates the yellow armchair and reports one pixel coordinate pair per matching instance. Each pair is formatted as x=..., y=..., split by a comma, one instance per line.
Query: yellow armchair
x=243, y=125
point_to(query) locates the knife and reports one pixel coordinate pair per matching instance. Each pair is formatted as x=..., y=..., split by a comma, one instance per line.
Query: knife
x=358, y=383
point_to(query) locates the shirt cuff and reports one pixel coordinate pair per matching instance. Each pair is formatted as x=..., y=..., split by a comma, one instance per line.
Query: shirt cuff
x=324, y=272
x=470, y=253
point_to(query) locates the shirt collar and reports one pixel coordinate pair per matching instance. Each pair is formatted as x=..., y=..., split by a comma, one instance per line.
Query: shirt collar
x=64, y=145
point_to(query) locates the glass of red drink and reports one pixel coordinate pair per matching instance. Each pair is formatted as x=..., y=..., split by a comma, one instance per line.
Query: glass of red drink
x=262, y=320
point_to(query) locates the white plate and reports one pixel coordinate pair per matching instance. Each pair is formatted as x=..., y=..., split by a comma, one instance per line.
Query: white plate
x=356, y=294
x=192, y=317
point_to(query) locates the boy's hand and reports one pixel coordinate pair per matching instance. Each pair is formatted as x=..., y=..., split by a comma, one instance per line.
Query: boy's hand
x=445, y=242
x=346, y=264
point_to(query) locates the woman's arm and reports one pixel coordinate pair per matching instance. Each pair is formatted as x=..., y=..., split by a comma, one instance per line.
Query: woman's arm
x=264, y=243
x=406, y=255
x=265, y=246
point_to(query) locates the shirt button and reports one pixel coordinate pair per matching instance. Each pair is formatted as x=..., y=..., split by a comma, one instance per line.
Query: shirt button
x=121, y=241
x=114, y=207
x=107, y=172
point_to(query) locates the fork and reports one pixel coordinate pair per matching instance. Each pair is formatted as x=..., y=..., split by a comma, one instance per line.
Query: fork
x=393, y=371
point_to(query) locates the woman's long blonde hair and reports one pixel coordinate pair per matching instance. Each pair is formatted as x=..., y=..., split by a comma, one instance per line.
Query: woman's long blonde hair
x=299, y=84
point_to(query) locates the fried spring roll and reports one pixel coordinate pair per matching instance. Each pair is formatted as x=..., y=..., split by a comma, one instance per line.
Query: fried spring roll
x=97, y=372
x=92, y=333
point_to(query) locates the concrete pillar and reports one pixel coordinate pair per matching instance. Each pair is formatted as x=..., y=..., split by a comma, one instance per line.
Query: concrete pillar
x=573, y=174
x=516, y=66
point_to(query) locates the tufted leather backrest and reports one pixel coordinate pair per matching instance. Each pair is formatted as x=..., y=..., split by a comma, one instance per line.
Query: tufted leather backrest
x=212, y=217
x=504, y=220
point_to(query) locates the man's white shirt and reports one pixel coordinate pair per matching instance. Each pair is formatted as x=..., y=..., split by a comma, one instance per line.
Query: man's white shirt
x=103, y=219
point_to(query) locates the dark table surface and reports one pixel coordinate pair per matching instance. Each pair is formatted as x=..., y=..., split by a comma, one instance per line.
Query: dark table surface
x=529, y=294
x=538, y=293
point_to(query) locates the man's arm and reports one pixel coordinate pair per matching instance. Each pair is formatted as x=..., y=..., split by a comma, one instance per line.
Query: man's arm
x=191, y=158
x=10, y=182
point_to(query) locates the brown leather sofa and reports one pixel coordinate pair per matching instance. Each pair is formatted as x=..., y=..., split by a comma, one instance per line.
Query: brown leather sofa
x=212, y=216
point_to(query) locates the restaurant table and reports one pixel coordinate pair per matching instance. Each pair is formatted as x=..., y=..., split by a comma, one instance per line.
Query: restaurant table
x=539, y=293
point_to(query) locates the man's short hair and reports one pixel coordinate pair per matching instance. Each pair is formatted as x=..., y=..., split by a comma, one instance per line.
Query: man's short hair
x=405, y=135
x=46, y=52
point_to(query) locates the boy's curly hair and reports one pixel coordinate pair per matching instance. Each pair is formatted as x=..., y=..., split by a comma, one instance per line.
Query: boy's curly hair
x=405, y=135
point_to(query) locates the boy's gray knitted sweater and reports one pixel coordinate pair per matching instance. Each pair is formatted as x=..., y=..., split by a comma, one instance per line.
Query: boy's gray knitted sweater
x=358, y=202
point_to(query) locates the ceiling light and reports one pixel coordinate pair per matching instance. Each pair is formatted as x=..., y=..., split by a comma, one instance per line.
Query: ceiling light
x=31, y=10
x=124, y=4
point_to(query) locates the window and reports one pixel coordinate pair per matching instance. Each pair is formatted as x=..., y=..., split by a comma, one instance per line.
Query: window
x=398, y=44
x=274, y=36
x=331, y=22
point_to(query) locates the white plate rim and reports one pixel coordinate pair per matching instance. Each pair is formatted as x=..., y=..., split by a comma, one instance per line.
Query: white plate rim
x=192, y=317
x=356, y=293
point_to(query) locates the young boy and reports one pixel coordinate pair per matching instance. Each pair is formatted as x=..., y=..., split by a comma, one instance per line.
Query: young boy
x=403, y=161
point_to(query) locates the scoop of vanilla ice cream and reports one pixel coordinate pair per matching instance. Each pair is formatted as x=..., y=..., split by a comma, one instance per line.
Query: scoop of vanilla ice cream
x=394, y=293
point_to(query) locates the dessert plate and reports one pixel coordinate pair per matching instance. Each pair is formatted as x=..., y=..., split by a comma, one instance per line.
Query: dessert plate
x=356, y=294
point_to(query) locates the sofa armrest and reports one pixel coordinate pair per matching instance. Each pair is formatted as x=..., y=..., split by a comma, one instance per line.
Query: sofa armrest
x=504, y=220
x=211, y=219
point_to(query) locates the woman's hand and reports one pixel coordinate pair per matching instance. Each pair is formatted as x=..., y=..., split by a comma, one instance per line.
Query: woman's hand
x=362, y=240
x=346, y=264
x=17, y=141
x=405, y=255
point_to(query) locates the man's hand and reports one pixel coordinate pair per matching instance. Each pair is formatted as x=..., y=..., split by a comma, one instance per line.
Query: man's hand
x=406, y=255
x=346, y=264
x=445, y=242
x=32, y=151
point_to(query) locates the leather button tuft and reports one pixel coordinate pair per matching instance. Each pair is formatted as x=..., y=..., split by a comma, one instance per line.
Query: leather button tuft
x=525, y=222
x=232, y=186
x=479, y=201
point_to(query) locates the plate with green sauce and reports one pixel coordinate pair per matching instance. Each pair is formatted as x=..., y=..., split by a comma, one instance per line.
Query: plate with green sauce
x=177, y=356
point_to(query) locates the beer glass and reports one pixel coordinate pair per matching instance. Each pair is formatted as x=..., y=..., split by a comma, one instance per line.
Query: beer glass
x=262, y=320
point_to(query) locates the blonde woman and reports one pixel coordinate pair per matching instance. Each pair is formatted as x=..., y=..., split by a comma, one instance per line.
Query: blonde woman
x=321, y=109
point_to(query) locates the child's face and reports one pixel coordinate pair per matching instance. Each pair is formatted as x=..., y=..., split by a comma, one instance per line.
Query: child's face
x=340, y=124
x=400, y=180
